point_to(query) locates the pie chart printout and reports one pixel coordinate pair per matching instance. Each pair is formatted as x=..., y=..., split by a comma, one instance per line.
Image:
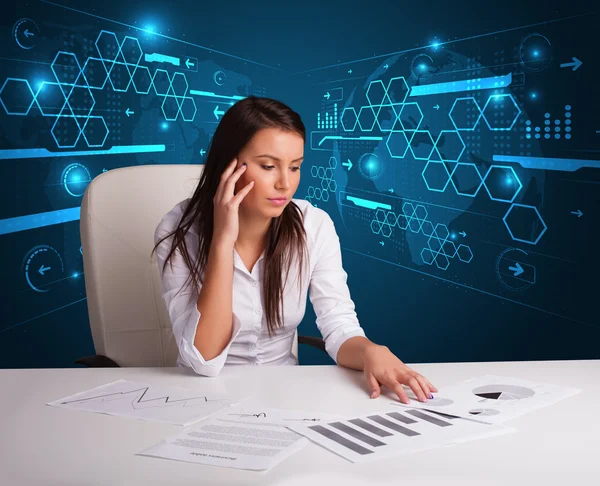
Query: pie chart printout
x=503, y=392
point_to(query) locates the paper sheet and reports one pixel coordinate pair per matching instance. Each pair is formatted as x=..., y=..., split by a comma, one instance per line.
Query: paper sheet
x=172, y=405
x=249, y=438
x=493, y=399
x=380, y=435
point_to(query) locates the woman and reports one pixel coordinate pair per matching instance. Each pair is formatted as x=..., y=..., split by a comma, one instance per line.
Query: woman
x=238, y=258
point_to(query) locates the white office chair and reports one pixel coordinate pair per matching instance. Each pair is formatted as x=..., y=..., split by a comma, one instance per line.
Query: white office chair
x=120, y=211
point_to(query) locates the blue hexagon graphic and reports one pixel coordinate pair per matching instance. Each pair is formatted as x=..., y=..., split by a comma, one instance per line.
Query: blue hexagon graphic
x=67, y=70
x=421, y=212
x=427, y=228
x=380, y=215
x=170, y=108
x=179, y=84
x=16, y=96
x=375, y=227
x=408, y=209
x=119, y=76
x=81, y=101
x=450, y=145
x=441, y=261
x=313, y=171
x=377, y=94
x=427, y=256
x=436, y=176
x=188, y=109
x=466, y=179
x=95, y=131
x=441, y=231
x=161, y=82
x=366, y=119
x=107, y=46
x=501, y=103
x=132, y=52
x=386, y=230
x=66, y=130
x=94, y=73
x=465, y=113
x=421, y=145
x=349, y=119
x=502, y=180
x=464, y=253
x=50, y=98
x=397, y=144
x=410, y=116
x=397, y=90
x=524, y=223
x=142, y=80
x=333, y=164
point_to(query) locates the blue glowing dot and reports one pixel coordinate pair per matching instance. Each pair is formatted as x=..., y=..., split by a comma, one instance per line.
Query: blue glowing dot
x=547, y=115
x=567, y=115
x=536, y=53
x=75, y=178
x=557, y=135
x=528, y=135
x=164, y=125
x=567, y=122
x=547, y=122
x=528, y=122
x=557, y=122
x=537, y=135
x=528, y=129
x=422, y=67
x=537, y=129
x=547, y=136
x=534, y=95
x=568, y=136
x=557, y=129
x=567, y=129
x=568, y=108
x=509, y=180
x=547, y=129
x=75, y=275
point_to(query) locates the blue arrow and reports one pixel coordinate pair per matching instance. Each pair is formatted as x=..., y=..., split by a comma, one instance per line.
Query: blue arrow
x=218, y=112
x=463, y=234
x=327, y=95
x=28, y=34
x=349, y=71
x=189, y=64
x=202, y=151
x=436, y=107
x=578, y=213
x=347, y=164
x=391, y=190
x=43, y=269
x=386, y=66
x=129, y=112
x=518, y=269
x=381, y=243
x=576, y=64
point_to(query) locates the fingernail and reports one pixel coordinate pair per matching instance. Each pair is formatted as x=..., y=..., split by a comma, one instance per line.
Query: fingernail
x=373, y=394
x=431, y=396
x=406, y=400
x=244, y=164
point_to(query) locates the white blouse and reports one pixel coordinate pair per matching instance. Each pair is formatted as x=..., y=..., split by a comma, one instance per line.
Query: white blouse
x=250, y=341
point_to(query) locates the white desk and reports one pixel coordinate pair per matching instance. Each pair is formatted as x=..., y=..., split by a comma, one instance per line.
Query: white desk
x=559, y=444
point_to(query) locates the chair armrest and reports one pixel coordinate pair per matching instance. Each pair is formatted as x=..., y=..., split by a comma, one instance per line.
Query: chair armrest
x=97, y=361
x=315, y=342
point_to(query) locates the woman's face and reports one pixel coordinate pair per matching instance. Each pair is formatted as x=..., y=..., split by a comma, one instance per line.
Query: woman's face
x=273, y=157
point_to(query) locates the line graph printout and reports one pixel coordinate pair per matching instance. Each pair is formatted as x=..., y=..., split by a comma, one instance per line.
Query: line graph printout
x=493, y=399
x=172, y=405
x=380, y=435
x=246, y=414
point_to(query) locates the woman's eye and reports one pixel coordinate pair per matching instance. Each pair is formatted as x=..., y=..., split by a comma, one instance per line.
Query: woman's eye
x=295, y=169
x=268, y=167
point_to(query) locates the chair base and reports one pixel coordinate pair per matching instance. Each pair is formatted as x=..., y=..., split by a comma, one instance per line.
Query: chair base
x=97, y=361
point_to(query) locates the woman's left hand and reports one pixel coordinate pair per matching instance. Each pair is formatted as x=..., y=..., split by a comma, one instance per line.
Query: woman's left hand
x=382, y=367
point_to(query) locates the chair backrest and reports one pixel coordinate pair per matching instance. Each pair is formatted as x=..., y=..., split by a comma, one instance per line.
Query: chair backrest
x=120, y=211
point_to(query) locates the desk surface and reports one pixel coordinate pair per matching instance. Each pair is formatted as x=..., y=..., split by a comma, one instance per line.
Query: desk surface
x=558, y=444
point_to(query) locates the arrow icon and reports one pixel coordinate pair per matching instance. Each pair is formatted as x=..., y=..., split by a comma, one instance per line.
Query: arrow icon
x=328, y=95
x=381, y=243
x=436, y=107
x=202, y=151
x=578, y=213
x=103, y=170
x=386, y=65
x=463, y=234
x=43, y=269
x=129, y=112
x=347, y=164
x=518, y=269
x=218, y=112
x=28, y=34
x=349, y=71
x=391, y=190
x=189, y=64
x=575, y=64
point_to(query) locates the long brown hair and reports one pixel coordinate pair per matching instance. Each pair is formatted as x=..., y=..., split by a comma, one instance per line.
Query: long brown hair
x=285, y=237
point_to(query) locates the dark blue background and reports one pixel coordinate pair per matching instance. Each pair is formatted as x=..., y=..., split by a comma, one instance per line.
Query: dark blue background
x=422, y=314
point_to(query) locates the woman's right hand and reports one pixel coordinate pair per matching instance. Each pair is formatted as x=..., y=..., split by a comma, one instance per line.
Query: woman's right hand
x=226, y=204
